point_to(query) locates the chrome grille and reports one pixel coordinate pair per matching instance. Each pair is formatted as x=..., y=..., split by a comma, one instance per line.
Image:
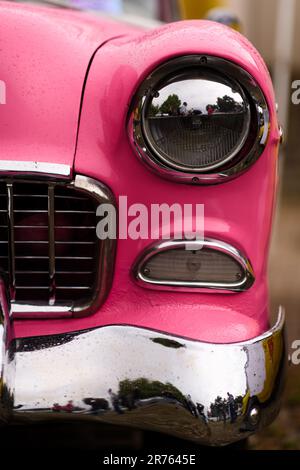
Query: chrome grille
x=50, y=255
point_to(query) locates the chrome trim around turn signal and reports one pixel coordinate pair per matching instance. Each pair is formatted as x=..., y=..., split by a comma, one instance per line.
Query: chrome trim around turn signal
x=144, y=279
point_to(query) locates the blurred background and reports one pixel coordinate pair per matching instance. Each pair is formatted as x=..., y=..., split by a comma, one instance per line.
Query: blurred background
x=273, y=26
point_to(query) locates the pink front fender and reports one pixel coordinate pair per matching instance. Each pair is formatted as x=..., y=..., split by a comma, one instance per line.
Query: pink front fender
x=238, y=212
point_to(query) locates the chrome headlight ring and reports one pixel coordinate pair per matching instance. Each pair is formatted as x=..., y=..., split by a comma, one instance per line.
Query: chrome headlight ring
x=242, y=156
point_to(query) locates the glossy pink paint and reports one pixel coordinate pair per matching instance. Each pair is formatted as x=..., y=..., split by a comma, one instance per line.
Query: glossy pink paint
x=44, y=56
x=239, y=212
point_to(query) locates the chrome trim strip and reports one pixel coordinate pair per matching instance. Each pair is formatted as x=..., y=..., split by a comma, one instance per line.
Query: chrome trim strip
x=213, y=394
x=107, y=248
x=11, y=241
x=51, y=242
x=38, y=311
x=224, y=173
x=145, y=281
x=14, y=166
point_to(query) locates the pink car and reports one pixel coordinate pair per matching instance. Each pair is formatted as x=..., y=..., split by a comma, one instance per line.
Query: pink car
x=101, y=123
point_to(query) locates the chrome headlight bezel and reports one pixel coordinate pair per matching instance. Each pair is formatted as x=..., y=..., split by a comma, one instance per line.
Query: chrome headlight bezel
x=251, y=146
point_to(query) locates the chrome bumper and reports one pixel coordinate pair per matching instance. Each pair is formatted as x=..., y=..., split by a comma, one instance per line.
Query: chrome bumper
x=214, y=394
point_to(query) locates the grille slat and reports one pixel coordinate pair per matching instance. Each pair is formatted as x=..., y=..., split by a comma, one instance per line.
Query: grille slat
x=58, y=287
x=51, y=239
x=34, y=242
x=74, y=243
x=74, y=212
x=57, y=272
x=49, y=252
x=31, y=226
x=85, y=227
x=11, y=239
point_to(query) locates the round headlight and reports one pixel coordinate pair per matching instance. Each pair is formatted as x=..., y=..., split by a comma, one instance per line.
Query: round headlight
x=199, y=118
x=196, y=121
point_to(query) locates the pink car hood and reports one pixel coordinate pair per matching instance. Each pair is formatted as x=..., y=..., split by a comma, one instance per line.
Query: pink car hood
x=44, y=56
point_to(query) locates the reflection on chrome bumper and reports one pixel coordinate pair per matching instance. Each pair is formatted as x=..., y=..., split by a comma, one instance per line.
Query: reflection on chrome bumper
x=213, y=394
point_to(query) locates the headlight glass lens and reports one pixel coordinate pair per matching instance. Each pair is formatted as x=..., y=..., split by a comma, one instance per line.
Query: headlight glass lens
x=197, y=120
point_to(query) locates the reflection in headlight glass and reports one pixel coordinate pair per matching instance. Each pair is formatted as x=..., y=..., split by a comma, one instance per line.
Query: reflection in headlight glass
x=196, y=121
